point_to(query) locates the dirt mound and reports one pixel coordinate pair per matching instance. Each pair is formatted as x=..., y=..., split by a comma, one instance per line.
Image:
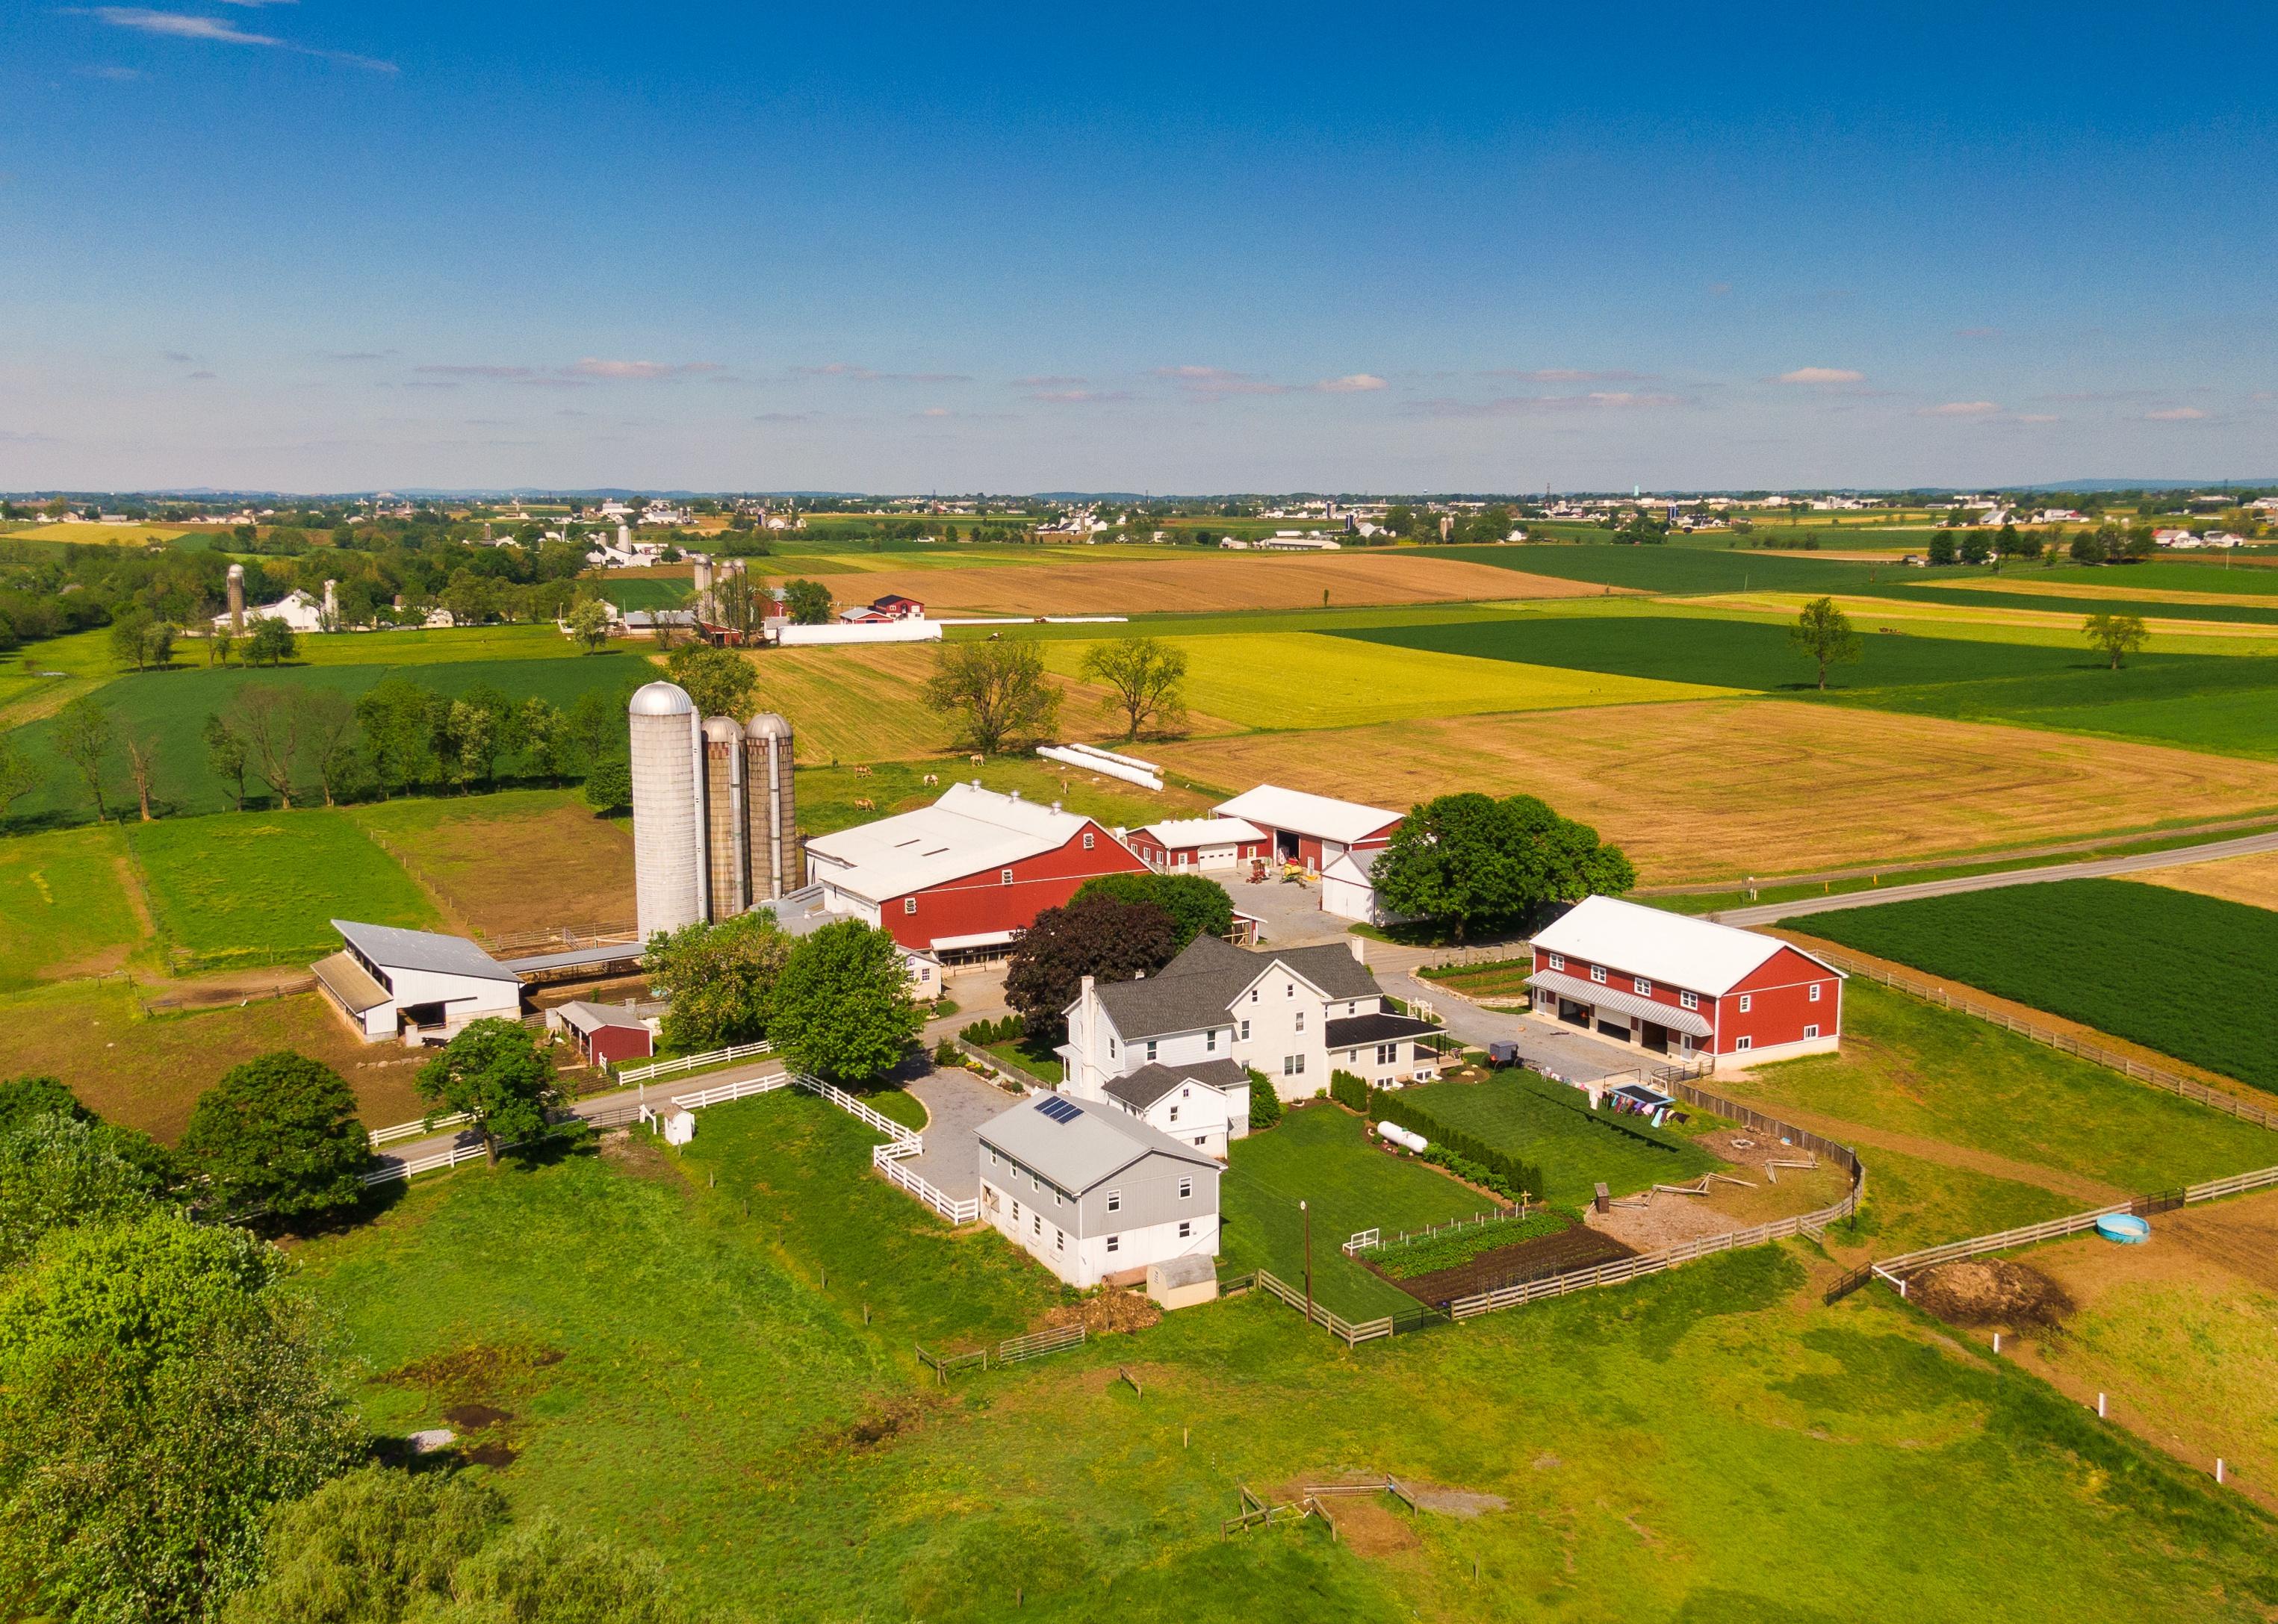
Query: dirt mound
x=880, y=1423
x=1109, y=1311
x=1990, y=1291
x=492, y=1455
x=467, y=1417
x=475, y=1374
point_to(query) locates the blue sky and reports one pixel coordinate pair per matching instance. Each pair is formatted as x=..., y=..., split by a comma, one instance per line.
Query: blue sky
x=324, y=246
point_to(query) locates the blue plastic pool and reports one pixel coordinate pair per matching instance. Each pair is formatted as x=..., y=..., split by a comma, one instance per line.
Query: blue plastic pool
x=2123, y=1227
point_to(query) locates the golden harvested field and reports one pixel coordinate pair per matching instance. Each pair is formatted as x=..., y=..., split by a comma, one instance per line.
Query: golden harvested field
x=1210, y=580
x=2250, y=880
x=1305, y=680
x=524, y=860
x=857, y=703
x=1726, y=788
x=97, y=535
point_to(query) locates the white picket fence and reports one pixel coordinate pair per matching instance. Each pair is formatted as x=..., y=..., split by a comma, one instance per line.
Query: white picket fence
x=693, y=1062
x=415, y=1130
x=441, y=1161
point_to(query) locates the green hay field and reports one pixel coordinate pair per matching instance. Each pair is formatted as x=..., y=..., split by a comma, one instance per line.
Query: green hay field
x=2195, y=977
x=2228, y=704
x=1551, y=1126
x=1321, y=1155
x=1709, y=1445
x=261, y=887
x=64, y=906
x=171, y=707
x=1297, y=680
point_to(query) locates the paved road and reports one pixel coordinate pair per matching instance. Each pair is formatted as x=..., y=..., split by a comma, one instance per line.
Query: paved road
x=2095, y=869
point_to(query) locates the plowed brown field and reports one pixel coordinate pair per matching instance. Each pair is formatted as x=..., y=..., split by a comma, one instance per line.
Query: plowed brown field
x=1727, y=788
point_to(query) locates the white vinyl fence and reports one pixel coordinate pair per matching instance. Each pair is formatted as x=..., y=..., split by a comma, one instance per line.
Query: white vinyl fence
x=686, y=1064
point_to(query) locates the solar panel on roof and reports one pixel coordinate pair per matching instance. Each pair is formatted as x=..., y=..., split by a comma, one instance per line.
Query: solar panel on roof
x=1060, y=1110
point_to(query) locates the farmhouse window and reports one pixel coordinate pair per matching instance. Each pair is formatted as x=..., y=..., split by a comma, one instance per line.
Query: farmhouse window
x=1245, y=1032
x=1186, y=1094
x=1186, y=1228
x=1086, y=839
x=1814, y=992
x=1644, y=986
x=1186, y=1188
x=1746, y=1003
x=1388, y=1054
x=1300, y=1020
x=1150, y=1048
x=1745, y=1043
x=1004, y=876
x=1111, y=1049
x=1289, y=989
x=1293, y=1065
x=1115, y=1243
x=1253, y=994
x=1352, y=1057
x=1210, y=1042
x=909, y=905
x=1811, y=1032
x=1059, y=1240
x=1115, y=1201
x=1691, y=1001
x=1559, y=961
x=1598, y=973
x=1174, y=1113
x=1199, y=1138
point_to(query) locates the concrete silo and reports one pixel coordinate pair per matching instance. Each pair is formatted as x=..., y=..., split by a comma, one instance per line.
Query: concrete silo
x=237, y=598
x=778, y=862
x=727, y=830
x=669, y=824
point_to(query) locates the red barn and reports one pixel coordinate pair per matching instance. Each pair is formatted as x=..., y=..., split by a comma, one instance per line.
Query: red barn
x=967, y=875
x=1684, y=986
x=1312, y=831
x=604, y=1036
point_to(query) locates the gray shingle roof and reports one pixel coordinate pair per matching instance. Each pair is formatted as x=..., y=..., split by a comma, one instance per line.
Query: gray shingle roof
x=1197, y=988
x=1354, y=1030
x=1150, y=1082
x=392, y=949
x=1094, y=1143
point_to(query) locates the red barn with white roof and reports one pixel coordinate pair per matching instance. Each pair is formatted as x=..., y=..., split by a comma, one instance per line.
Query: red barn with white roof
x=967, y=874
x=1684, y=986
x=1312, y=831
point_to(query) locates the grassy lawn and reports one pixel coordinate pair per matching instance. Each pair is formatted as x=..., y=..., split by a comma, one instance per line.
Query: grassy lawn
x=1913, y=1203
x=1710, y=1445
x=65, y=905
x=2191, y=976
x=260, y=887
x=1039, y=1061
x=171, y=708
x=1914, y=1068
x=1321, y=1155
x=1552, y=1125
x=515, y=860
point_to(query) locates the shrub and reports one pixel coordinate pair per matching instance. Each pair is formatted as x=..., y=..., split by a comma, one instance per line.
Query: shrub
x=981, y=1034
x=1348, y=1091
x=1490, y=1168
x=947, y=1054
x=1265, y=1104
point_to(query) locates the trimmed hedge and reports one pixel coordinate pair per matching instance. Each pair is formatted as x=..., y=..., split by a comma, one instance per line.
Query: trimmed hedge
x=981, y=1034
x=1465, y=1155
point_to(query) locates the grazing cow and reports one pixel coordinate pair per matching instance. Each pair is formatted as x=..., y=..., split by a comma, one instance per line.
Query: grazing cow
x=977, y=760
x=861, y=772
x=864, y=806
x=932, y=779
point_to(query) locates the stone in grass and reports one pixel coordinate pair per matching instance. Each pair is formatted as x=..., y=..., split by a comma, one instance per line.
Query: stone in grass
x=427, y=1442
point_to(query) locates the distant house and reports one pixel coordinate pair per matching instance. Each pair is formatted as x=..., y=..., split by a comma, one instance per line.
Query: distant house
x=879, y=611
x=1094, y=1193
x=1179, y=845
x=1683, y=987
x=415, y=985
x=1311, y=830
x=1297, y=541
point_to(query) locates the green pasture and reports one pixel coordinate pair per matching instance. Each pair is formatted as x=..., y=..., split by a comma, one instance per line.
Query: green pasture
x=2173, y=575
x=1550, y=1124
x=1912, y=1067
x=631, y=592
x=171, y=706
x=1321, y=1155
x=1913, y=1202
x=1251, y=622
x=1696, y=568
x=2227, y=703
x=260, y=887
x=2191, y=976
x=1711, y=1444
x=64, y=908
x=424, y=646
x=2049, y=603
x=1734, y=654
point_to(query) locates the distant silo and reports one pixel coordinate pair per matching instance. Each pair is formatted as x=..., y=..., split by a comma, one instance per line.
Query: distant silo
x=778, y=861
x=728, y=841
x=668, y=831
x=237, y=598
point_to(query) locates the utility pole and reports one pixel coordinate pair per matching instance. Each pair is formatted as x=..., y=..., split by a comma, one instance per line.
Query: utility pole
x=1307, y=1213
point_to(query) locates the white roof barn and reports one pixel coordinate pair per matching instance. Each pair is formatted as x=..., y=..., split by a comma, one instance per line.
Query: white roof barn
x=968, y=830
x=1698, y=955
x=1189, y=833
x=1319, y=815
x=390, y=982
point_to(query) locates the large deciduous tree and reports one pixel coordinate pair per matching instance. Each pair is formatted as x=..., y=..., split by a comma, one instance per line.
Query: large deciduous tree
x=279, y=1133
x=1823, y=633
x=1197, y=906
x=1468, y=860
x=270, y=642
x=1145, y=679
x=2115, y=636
x=495, y=1071
x=84, y=734
x=995, y=692
x=842, y=1003
x=268, y=717
x=588, y=623
x=806, y=602
x=1095, y=936
x=719, y=682
x=720, y=978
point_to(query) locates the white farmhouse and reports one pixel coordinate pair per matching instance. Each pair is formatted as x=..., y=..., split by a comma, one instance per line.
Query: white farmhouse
x=1095, y=1194
x=1294, y=1014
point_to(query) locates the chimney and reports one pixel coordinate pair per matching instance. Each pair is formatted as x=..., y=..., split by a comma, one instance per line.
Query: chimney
x=1360, y=951
x=1087, y=986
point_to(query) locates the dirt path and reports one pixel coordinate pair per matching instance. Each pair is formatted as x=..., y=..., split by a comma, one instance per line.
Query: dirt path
x=1860, y=1137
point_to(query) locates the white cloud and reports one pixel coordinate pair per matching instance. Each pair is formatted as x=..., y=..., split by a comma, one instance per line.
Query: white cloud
x=442, y=371
x=2038, y=417
x=1960, y=409
x=866, y=375
x=116, y=75
x=1529, y=406
x=1822, y=375
x=214, y=30
x=1216, y=383
x=1352, y=382
x=592, y=367
x=2174, y=414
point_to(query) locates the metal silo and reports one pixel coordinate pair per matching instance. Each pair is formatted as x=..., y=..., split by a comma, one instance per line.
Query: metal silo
x=778, y=861
x=726, y=818
x=669, y=832
x=237, y=599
